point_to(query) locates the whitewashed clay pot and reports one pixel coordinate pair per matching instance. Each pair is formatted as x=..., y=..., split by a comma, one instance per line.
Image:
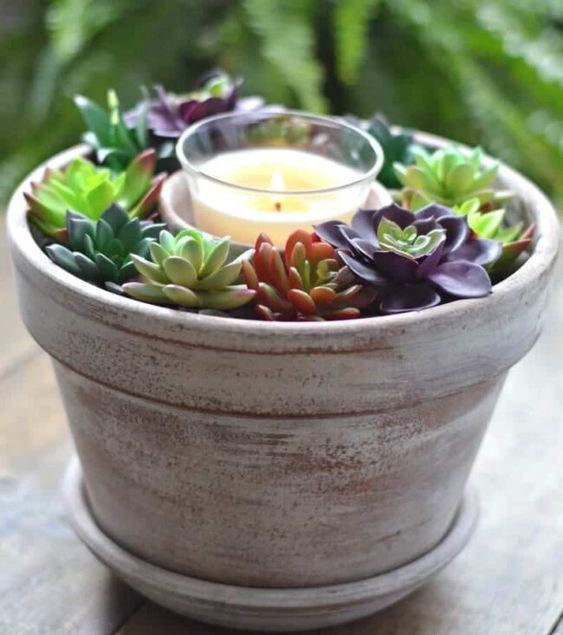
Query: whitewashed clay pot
x=312, y=458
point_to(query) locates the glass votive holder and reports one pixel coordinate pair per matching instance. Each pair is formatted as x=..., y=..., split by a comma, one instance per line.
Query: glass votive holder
x=275, y=171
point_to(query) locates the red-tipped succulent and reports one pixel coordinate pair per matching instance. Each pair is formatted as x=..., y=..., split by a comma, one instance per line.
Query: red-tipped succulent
x=307, y=282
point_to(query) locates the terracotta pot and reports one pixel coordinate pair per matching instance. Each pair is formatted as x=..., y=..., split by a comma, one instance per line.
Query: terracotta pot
x=278, y=455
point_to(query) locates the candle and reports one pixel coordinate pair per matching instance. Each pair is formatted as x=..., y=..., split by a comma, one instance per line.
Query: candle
x=279, y=189
x=240, y=187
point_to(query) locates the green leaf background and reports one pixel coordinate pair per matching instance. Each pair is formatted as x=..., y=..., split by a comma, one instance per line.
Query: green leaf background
x=488, y=73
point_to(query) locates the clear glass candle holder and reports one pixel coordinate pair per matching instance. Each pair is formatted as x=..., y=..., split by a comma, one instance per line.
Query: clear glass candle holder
x=273, y=172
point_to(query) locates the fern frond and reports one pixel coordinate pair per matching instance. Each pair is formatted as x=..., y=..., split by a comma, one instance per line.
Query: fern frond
x=288, y=43
x=350, y=22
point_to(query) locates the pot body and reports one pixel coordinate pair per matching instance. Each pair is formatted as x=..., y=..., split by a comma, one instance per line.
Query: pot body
x=287, y=455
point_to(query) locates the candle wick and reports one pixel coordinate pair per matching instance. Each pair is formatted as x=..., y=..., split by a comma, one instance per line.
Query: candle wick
x=277, y=206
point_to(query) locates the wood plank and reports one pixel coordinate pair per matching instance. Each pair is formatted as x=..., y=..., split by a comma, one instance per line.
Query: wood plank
x=17, y=344
x=49, y=582
x=509, y=580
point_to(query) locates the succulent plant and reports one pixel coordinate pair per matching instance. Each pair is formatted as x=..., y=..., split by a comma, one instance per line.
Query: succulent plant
x=100, y=251
x=397, y=147
x=88, y=189
x=116, y=144
x=491, y=224
x=449, y=176
x=189, y=270
x=169, y=114
x=307, y=283
x=416, y=260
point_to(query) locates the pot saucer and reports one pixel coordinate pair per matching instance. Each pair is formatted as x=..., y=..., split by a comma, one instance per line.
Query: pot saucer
x=175, y=205
x=259, y=608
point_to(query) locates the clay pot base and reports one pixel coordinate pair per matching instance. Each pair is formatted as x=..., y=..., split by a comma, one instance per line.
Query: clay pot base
x=264, y=609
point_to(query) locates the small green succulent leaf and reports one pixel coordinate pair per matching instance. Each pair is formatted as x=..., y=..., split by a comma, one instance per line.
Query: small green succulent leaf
x=227, y=299
x=216, y=256
x=151, y=271
x=507, y=235
x=459, y=178
x=107, y=268
x=130, y=234
x=78, y=227
x=137, y=178
x=470, y=206
x=146, y=292
x=104, y=234
x=192, y=250
x=64, y=258
x=167, y=242
x=486, y=225
x=179, y=271
x=88, y=269
x=158, y=253
x=151, y=230
x=95, y=118
x=182, y=296
x=223, y=277
x=127, y=271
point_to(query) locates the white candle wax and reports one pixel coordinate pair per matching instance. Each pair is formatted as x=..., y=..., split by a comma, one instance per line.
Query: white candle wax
x=273, y=190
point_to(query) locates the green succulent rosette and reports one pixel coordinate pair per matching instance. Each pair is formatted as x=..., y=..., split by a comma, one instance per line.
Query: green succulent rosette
x=449, y=176
x=100, y=251
x=89, y=190
x=190, y=270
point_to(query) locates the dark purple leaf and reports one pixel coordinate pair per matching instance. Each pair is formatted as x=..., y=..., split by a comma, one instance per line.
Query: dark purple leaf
x=395, y=266
x=478, y=251
x=457, y=232
x=367, y=274
x=461, y=279
x=425, y=226
x=363, y=248
x=434, y=211
x=394, y=213
x=331, y=233
x=409, y=297
x=428, y=264
x=363, y=223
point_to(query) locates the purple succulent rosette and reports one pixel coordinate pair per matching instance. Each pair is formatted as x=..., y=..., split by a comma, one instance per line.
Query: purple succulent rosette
x=168, y=115
x=417, y=260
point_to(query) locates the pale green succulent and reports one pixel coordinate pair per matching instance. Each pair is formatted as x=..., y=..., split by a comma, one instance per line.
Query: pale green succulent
x=408, y=242
x=449, y=176
x=491, y=224
x=190, y=270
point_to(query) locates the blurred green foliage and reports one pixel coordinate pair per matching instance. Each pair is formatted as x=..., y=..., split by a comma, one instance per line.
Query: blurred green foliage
x=480, y=72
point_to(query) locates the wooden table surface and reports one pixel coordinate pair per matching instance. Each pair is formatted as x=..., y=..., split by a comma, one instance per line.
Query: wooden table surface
x=508, y=581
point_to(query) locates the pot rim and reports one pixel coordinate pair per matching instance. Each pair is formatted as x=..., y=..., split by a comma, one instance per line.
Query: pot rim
x=167, y=323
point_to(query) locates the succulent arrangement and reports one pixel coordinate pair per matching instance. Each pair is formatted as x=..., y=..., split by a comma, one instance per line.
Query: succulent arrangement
x=416, y=260
x=116, y=144
x=307, y=282
x=101, y=251
x=449, y=176
x=398, y=147
x=169, y=114
x=459, y=179
x=158, y=120
x=189, y=270
x=448, y=236
x=89, y=189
